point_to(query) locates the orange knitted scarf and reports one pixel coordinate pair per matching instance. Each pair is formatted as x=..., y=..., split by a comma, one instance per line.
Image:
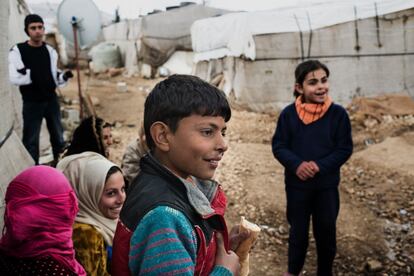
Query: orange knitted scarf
x=310, y=112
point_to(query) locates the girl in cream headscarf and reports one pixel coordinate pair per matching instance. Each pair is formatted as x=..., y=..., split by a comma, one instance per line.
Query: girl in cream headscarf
x=100, y=188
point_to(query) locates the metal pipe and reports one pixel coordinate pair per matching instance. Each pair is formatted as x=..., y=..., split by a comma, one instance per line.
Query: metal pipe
x=339, y=56
x=378, y=26
x=301, y=38
x=75, y=42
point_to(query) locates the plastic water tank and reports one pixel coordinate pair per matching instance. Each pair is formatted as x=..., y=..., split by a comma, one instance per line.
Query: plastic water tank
x=105, y=55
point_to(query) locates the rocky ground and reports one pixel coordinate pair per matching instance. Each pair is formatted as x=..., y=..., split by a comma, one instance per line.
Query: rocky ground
x=375, y=225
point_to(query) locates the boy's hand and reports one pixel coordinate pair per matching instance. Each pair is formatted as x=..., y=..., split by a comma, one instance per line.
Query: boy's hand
x=306, y=170
x=226, y=259
x=67, y=75
x=236, y=237
x=22, y=71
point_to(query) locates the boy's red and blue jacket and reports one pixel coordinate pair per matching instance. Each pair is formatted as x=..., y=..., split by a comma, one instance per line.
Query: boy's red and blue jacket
x=327, y=141
x=168, y=226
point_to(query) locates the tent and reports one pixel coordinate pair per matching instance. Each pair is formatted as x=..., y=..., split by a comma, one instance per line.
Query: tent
x=165, y=32
x=368, y=46
x=153, y=39
x=13, y=156
x=126, y=35
x=65, y=49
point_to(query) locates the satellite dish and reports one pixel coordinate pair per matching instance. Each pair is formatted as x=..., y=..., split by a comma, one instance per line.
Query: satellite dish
x=79, y=21
x=87, y=18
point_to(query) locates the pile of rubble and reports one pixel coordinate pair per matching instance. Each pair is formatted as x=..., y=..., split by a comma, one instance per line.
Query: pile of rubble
x=390, y=196
x=374, y=119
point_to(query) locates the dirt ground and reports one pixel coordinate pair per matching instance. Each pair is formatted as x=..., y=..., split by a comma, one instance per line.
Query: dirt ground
x=376, y=222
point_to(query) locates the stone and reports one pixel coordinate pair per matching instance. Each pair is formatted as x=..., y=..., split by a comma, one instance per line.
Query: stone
x=71, y=114
x=121, y=87
x=112, y=72
x=282, y=230
x=400, y=263
x=373, y=266
x=403, y=212
x=370, y=123
x=95, y=101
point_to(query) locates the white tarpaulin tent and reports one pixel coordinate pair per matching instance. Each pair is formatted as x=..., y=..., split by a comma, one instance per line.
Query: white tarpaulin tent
x=164, y=33
x=154, y=38
x=258, y=51
x=126, y=34
x=13, y=156
x=181, y=62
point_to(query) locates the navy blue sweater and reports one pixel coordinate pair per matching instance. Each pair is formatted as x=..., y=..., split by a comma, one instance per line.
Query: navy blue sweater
x=327, y=141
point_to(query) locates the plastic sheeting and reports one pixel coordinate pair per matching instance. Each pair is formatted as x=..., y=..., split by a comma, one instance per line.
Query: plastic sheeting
x=7, y=114
x=105, y=55
x=180, y=62
x=232, y=34
x=126, y=34
x=13, y=156
x=18, y=10
x=379, y=61
x=154, y=38
x=164, y=33
x=117, y=31
x=124, y=30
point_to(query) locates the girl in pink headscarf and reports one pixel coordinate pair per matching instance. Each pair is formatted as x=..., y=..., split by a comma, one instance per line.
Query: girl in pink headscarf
x=37, y=238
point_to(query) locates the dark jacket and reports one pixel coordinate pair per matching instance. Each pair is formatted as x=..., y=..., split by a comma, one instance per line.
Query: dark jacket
x=156, y=186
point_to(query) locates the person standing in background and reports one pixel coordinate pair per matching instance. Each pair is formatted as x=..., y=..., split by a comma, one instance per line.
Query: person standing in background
x=100, y=188
x=93, y=134
x=132, y=156
x=312, y=141
x=33, y=67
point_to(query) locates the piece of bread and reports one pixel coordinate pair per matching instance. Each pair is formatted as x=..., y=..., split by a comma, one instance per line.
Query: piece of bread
x=243, y=250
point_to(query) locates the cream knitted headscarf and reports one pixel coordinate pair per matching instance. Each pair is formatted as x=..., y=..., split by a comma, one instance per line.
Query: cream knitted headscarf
x=86, y=173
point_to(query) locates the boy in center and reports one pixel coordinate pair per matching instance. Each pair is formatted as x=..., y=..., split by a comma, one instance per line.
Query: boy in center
x=173, y=219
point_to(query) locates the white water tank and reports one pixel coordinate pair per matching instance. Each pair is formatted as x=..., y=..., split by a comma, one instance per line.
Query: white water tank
x=105, y=55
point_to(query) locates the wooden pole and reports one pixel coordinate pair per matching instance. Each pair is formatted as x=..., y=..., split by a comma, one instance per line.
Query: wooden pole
x=75, y=42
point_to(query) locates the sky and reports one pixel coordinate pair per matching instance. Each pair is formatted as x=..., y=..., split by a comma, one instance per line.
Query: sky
x=133, y=8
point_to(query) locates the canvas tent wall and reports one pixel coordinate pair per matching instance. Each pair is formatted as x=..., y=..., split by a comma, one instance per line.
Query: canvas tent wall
x=126, y=34
x=17, y=10
x=13, y=156
x=369, y=47
x=164, y=33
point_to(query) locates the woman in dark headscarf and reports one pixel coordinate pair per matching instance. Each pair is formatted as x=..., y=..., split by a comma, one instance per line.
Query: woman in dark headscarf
x=37, y=237
x=93, y=134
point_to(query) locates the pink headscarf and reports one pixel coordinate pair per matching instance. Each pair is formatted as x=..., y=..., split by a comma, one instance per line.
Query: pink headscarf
x=40, y=210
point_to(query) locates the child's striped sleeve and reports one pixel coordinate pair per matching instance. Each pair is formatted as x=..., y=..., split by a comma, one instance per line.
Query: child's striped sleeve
x=165, y=243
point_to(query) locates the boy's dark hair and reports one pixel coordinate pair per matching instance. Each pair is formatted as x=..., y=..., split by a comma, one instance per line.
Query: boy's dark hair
x=304, y=68
x=88, y=137
x=180, y=96
x=31, y=18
